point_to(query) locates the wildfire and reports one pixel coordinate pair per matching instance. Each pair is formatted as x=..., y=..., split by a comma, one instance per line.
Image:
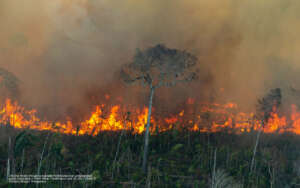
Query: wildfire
x=210, y=118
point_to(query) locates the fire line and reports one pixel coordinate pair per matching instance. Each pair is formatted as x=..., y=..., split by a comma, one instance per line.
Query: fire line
x=211, y=118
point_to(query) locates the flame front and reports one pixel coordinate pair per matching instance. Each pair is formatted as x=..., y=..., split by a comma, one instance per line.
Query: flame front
x=211, y=118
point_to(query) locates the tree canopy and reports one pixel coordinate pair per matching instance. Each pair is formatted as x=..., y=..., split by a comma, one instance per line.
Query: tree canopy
x=9, y=82
x=160, y=66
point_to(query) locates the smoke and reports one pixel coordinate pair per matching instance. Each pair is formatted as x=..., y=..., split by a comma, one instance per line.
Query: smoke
x=66, y=52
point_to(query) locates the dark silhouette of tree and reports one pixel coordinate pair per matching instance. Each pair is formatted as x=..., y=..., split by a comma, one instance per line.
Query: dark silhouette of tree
x=265, y=106
x=156, y=67
x=10, y=83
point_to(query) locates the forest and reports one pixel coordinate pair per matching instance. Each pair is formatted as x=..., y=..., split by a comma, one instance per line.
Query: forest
x=157, y=93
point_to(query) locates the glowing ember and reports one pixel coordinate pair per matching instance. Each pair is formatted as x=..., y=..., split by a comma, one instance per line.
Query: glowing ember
x=211, y=118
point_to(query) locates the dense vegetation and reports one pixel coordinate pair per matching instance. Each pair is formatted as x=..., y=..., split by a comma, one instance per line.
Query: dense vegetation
x=176, y=159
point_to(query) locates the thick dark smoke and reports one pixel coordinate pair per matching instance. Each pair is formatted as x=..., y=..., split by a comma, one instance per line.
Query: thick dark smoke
x=67, y=52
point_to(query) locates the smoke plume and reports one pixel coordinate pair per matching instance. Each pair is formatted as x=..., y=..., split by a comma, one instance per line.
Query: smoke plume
x=67, y=52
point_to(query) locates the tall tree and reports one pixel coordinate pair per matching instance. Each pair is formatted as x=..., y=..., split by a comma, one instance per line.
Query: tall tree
x=156, y=67
x=265, y=107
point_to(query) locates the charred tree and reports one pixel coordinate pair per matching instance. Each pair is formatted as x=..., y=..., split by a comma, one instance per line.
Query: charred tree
x=267, y=104
x=265, y=107
x=156, y=67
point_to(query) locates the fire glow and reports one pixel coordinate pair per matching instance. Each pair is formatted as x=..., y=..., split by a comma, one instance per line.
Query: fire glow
x=210, y=118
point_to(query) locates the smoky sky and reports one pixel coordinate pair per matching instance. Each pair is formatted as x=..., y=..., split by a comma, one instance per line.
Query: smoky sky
x=64, y=50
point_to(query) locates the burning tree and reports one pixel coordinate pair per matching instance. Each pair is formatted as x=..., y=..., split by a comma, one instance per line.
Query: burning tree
x=268, y=104
x=156, y=67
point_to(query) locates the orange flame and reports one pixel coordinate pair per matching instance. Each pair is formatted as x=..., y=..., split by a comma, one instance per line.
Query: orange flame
x=221, y=117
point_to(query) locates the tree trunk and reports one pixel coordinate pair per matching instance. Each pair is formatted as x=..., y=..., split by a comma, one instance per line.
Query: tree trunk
x=255, y=149
x=148, y=181
x=117, y=152
x=42, y=155
x=144, y=167
x=22, y=162
x=213, y=179
x=8, y=158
